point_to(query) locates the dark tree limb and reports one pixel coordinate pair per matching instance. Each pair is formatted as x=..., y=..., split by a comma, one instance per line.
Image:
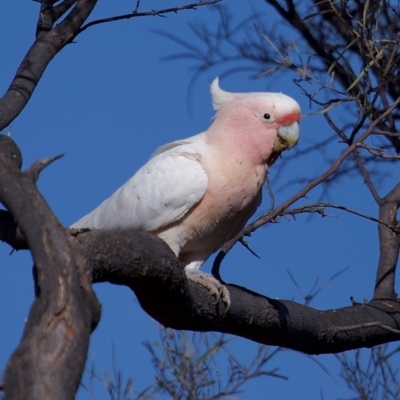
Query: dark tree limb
x=50, y=359
x=48, y=43
x=144, y=263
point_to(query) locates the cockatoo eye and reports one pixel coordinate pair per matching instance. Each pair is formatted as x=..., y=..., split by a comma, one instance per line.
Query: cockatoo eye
x=267, y=116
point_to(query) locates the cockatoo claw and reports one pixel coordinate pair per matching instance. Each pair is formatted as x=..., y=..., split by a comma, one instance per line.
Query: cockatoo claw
x=215, y=287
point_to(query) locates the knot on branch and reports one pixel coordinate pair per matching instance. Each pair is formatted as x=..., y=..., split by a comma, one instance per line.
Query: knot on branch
x=10, y=152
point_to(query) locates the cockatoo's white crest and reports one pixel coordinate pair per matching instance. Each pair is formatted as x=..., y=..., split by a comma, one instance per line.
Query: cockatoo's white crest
x=218, y=95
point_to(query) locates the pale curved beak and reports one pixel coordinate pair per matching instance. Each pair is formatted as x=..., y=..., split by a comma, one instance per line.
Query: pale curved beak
x=288, y=136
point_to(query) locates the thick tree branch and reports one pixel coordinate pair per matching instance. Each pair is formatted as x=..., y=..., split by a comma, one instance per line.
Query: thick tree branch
x=50, y=359
x=48, y=43
x=145, y=264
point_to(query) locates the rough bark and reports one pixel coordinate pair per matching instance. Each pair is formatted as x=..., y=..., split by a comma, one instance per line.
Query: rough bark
x=50, y=359
x=144, y=263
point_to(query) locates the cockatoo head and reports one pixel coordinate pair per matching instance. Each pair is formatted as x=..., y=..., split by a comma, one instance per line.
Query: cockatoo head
x=262, y=124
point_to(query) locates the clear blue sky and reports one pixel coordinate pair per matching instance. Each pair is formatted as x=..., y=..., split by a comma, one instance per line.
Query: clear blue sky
x=107, y=102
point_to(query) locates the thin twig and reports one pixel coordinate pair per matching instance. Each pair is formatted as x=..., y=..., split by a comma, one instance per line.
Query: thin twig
x=379, y=152
x=319, y=208
x=338, y=131
x=152, y=13
x=270, y=192
x=367, y=177
x=272, y=216
x=367, y=325
x=316, y=288
x=34, y=170
x=245, y=244
x=386, y=133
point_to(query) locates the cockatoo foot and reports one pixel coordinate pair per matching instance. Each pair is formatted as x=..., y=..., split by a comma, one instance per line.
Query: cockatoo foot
x=215, y=287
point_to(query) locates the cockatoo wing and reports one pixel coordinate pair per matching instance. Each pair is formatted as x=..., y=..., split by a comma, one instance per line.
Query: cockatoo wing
x=196, y=139
x=160, y=193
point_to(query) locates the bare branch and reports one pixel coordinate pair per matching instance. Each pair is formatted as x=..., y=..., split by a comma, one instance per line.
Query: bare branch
x=34, y=170
x=271, y=216
x=338, y=131
x=246, y=245
x=320, y=209
x=132, y=259
x=317, y=287
x=367, y=177
x=380, y=153
x=387, y=133
x=271, y=193
x=52, y=353
x=152, y=13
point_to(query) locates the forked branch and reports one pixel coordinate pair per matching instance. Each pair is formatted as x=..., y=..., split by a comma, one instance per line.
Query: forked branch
x=52, y=353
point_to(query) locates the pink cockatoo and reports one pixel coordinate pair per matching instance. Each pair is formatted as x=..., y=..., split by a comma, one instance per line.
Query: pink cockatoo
x=198, y=193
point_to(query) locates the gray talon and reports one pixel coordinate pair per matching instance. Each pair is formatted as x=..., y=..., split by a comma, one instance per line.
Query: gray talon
x=216, y=288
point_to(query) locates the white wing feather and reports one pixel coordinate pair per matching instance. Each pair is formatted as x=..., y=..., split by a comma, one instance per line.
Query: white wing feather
x=196, y=139
x=160, y=193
